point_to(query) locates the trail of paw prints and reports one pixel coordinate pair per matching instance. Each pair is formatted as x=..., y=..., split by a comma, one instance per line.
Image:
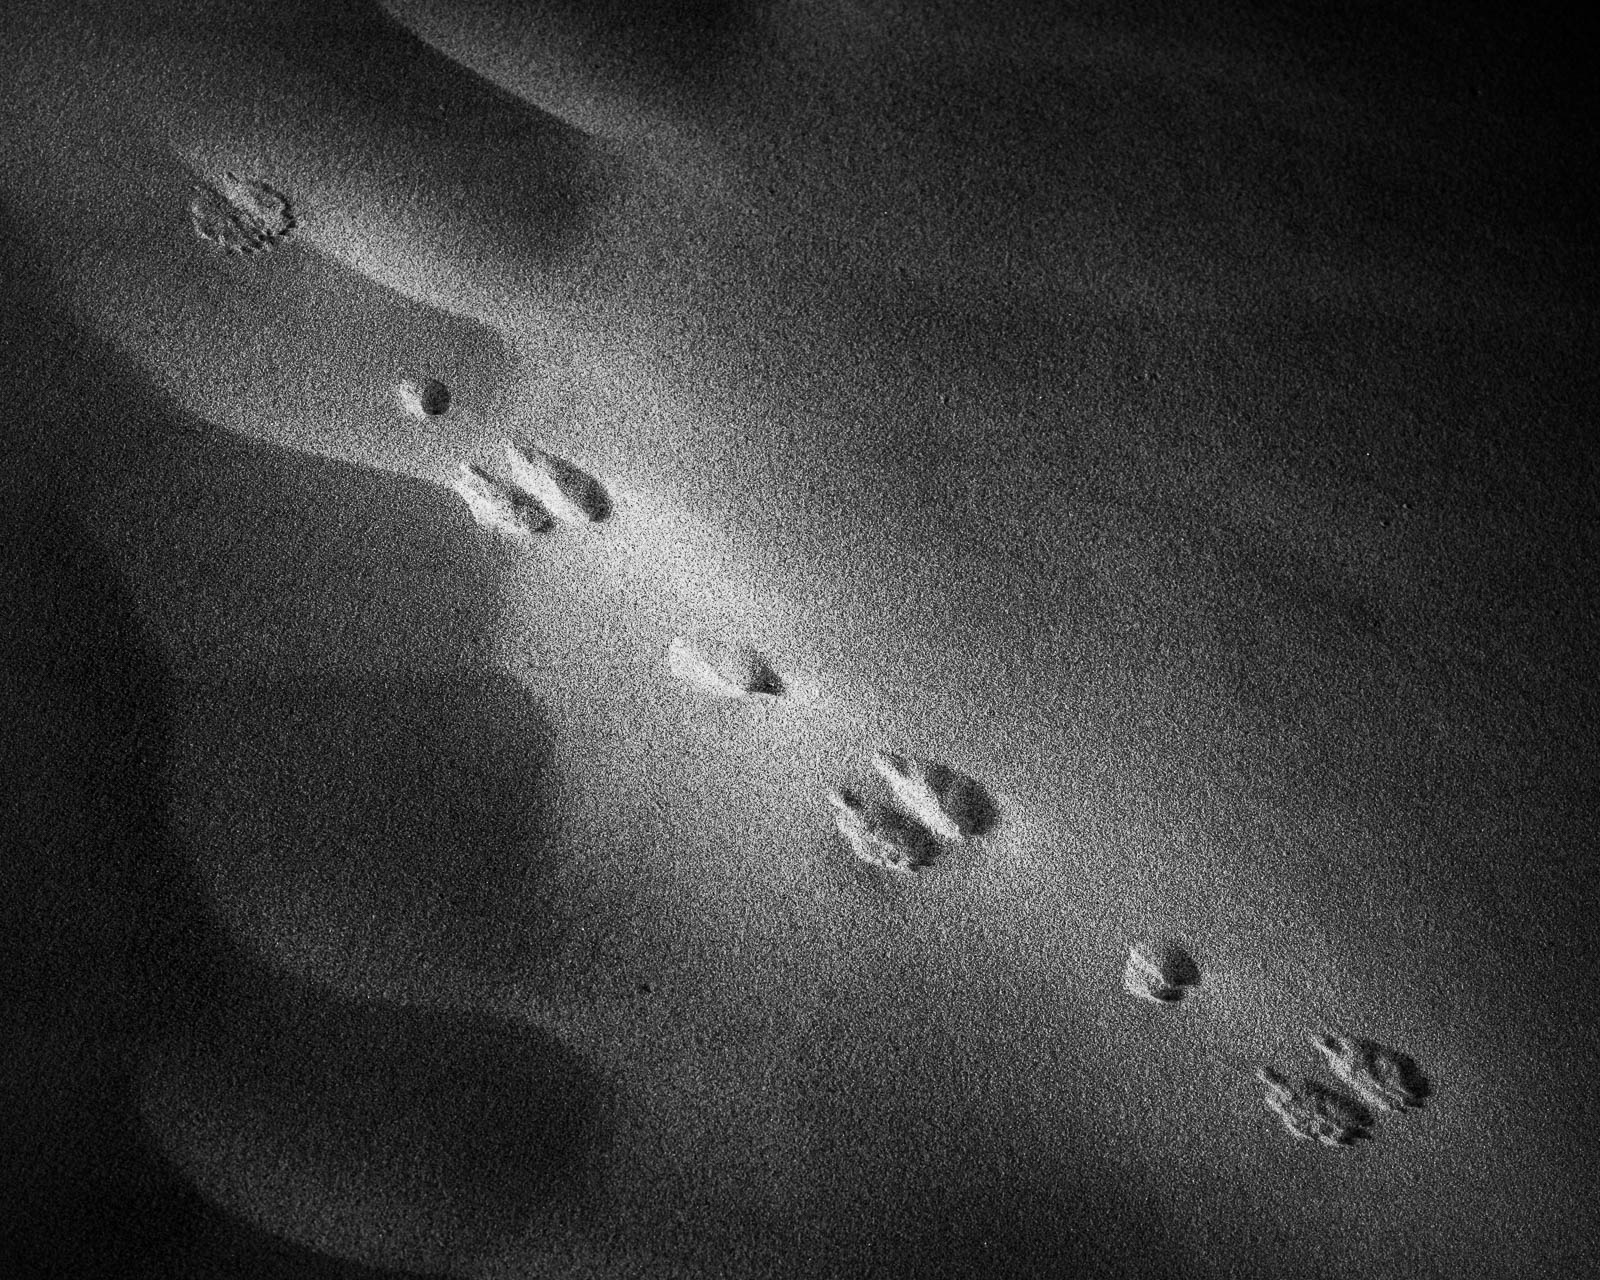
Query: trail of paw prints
x=1373, y=1079
x=1370, y=1079
x=932, y=804
x=929, y=802
x=530, y=490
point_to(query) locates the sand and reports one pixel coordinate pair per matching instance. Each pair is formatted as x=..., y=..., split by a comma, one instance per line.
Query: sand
x=1178, y=424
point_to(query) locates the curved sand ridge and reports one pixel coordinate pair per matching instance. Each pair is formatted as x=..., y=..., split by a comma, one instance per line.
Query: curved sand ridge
x=1131, y=508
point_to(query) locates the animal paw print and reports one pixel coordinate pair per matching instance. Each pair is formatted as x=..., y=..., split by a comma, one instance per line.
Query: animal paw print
x=568, y=492
x=934, y=801
x=423, y=397
x=1313, y=1112
x=540, y=489
x=241, y=215
x=1386, y=1078
x=1373, y=1078
x=947, y=803
x=881, y=836
x=498, y=505
x=723, y=670
x=1163, y=972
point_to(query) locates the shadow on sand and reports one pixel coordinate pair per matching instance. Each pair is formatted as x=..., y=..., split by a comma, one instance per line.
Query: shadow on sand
x=136, y=1024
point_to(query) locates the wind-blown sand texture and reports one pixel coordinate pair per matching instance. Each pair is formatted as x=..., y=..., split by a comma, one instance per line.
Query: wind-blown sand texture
x=1178, y=418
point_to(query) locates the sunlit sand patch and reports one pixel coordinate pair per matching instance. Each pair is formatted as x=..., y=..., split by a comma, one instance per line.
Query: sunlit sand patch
x=297, y=350
x=567, y=491
x=499, y=506
x=1385, y=1078
x=423, y=397
x=723, y=670
x=240, y=214
x=880, y=835
x=945, y=801
x=1159, y=971
x=669, y=568
x=1313, y=1112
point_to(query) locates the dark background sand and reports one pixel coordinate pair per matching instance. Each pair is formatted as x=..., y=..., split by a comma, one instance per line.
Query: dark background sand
x=416, y=952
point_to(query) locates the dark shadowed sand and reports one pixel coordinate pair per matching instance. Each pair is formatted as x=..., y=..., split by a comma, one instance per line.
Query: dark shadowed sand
x=1179, y=421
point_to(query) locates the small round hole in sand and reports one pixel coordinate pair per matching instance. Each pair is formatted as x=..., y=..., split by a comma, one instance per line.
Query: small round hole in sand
x=423, y=397
x=1162, y=971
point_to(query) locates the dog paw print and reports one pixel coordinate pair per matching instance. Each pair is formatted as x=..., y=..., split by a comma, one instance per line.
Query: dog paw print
x=242, y=215
x=1163, y=972
x=539, y=490
x=880, y=835
x=1313, y=1112
x=723, y=670
x=931, y=802
x=1385, y=1078
x=499, y=506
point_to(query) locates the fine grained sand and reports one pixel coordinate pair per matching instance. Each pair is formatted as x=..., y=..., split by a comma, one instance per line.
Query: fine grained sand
x=1178, y=426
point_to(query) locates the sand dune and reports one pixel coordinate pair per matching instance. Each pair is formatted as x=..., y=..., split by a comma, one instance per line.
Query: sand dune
x=1177, y=424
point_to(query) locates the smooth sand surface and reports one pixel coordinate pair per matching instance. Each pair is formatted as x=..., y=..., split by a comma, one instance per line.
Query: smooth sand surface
x=1181, y=422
